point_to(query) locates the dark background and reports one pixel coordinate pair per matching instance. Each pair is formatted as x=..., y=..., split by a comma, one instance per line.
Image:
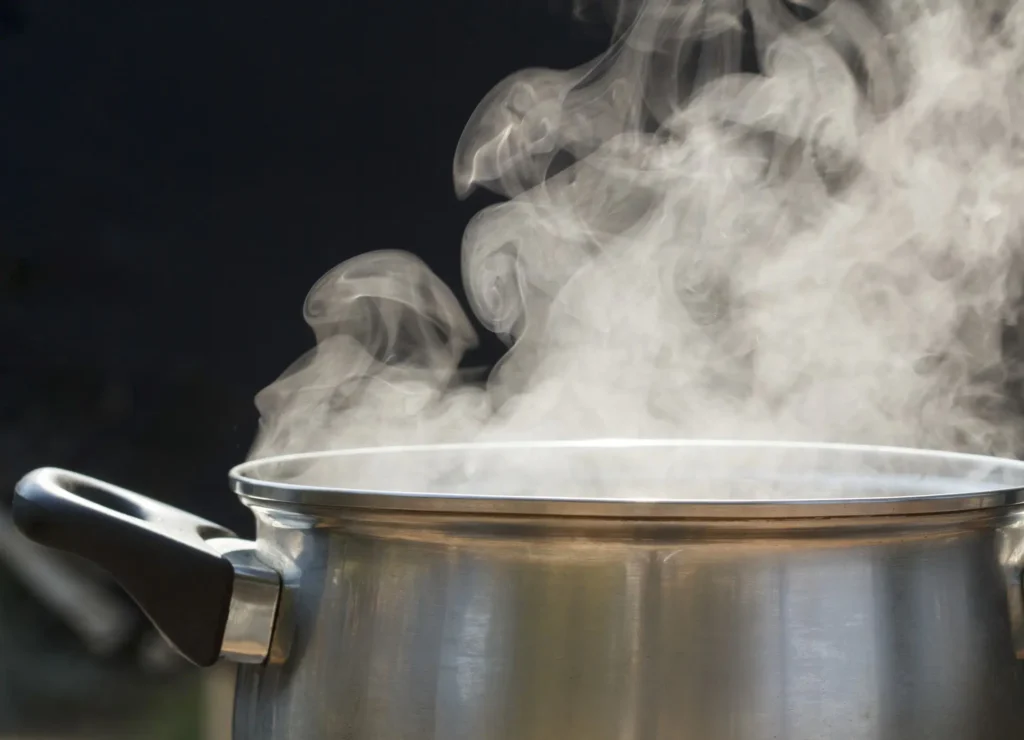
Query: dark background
x=175, y=176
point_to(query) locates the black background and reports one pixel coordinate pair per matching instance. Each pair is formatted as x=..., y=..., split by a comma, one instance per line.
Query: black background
x=175, y=176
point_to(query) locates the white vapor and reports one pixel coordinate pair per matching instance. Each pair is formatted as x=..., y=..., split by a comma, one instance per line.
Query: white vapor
x=826, y=250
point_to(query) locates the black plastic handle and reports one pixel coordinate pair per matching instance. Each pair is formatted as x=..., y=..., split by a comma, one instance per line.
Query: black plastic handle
x=157, y=553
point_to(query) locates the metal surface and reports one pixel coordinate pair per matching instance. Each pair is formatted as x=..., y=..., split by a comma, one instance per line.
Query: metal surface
x=447, y=627
x=875, y=481
x=888, y=608
x=204, y=589
x=254, y=598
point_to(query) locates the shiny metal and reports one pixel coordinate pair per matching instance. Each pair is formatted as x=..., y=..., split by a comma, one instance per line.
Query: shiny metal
x=876, y=480
x=505, y=628
x=205, y=590
x=871, y=624
x=879, y=599
x=254, y=599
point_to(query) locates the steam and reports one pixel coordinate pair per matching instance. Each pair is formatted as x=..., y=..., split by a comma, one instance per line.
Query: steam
x=825, y=249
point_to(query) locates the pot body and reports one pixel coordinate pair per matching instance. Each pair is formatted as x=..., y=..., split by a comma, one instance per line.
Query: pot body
x=463, y=627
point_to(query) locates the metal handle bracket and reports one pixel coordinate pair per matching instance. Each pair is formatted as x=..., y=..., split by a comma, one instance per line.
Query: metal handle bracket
x=204, y=589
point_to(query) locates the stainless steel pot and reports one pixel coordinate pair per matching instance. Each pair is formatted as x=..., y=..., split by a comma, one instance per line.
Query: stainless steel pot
x=881, y=600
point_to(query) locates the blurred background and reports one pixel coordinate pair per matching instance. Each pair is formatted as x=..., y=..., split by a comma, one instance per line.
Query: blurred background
x=173, y=178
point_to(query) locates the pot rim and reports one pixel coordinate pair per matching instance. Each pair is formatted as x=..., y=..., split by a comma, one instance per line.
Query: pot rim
x=255, y=490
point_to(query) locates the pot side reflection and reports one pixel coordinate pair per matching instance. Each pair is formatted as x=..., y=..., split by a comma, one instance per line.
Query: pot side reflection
x=443, y=627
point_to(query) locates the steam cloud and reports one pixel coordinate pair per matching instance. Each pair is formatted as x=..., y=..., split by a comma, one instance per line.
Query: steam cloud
x=828, y=249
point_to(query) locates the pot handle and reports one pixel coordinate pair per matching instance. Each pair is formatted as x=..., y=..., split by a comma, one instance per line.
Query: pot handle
x=203, y=588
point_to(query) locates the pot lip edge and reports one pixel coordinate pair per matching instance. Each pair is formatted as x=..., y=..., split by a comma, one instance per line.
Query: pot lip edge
x=628, y=510
x=255, y=491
